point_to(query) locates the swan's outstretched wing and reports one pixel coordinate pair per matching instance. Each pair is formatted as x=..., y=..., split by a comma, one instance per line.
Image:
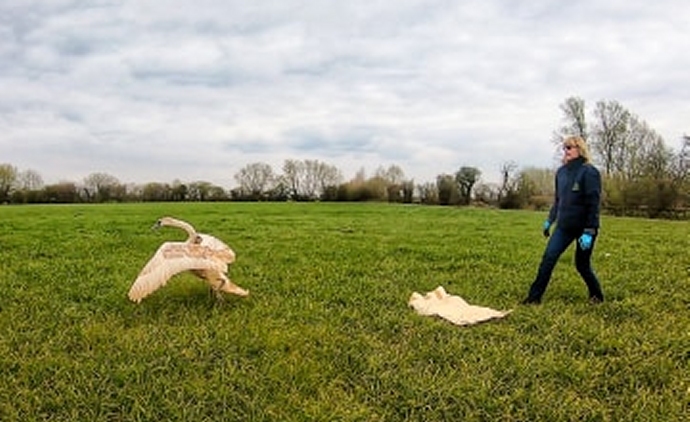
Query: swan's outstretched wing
x=223, y=251
x=170, y=259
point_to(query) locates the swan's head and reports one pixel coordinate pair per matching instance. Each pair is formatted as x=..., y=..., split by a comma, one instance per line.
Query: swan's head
x=173, y=222
x=163, y=221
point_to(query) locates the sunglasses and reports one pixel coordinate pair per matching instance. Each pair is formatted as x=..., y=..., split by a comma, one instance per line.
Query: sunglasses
x=568, y=147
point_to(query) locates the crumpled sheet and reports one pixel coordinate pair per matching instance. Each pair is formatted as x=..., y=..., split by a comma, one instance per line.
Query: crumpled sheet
x=452, y=308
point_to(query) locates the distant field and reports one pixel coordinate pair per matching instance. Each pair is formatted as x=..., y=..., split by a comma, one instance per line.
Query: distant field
x=326, y=334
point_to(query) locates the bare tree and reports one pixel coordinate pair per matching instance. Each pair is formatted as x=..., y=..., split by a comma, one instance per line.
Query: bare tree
x=466, y=178
x=408, y=191
x=447, y=189
x=610, y=132
x=318, y=176
x=487, y=193
x=629, y=163
x=100, y=187
x=507, y=170
x=156, y=192
x=309, y=179
x=428, y=193
x=574, y=122
x=377, y=186
x=329, y=176
x=255, y=179
x=360, y=176
x=394, y=175
x=216, y=193
x=179, y=191
x=199, y=191
x=311, y=182
x=30, y=180
x=393, y=178
x=644, y=153
x=293, y=174
x=682, y=161
x=682, y=171
x=8, y=181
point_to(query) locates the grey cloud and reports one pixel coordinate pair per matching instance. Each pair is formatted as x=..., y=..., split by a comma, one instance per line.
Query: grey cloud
x=428, y=84
x=332, y=141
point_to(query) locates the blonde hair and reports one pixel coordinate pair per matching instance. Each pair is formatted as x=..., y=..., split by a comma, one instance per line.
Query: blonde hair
x=580, y=144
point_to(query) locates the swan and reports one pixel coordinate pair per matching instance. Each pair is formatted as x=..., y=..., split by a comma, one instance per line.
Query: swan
x=201, y=254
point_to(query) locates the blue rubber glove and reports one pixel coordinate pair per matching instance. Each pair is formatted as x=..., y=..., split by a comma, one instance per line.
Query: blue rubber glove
x=546, y=226
x=585, y=241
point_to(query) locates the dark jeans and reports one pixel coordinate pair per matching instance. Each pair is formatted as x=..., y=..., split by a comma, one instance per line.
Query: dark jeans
x=558, y=243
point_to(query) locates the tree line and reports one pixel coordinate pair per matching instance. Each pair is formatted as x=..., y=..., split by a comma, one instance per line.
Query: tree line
x=641, y=173
x=641, y=176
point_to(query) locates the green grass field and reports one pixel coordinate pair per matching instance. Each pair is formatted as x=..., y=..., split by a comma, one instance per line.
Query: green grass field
x=326, y=334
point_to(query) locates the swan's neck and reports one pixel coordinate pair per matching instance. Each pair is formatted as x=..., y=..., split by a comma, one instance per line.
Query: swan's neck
x=173, y=222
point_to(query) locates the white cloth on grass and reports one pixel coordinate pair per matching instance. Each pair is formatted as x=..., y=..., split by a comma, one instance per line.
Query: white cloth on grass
x=452, y=308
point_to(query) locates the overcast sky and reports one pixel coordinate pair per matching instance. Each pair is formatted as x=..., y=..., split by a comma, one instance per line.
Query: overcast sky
x=161, y=90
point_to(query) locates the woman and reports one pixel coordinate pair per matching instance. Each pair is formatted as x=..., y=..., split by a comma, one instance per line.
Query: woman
x=576, y=213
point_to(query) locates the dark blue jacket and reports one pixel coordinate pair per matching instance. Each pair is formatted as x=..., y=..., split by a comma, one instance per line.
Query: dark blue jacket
x=578, y=193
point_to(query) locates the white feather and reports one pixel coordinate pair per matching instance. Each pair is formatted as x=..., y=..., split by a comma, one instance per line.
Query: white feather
x=452, y=308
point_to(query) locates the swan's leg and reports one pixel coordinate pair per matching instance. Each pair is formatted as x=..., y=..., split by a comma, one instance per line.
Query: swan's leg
x=230, y=287
x=220, y=283
x=216, y=289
